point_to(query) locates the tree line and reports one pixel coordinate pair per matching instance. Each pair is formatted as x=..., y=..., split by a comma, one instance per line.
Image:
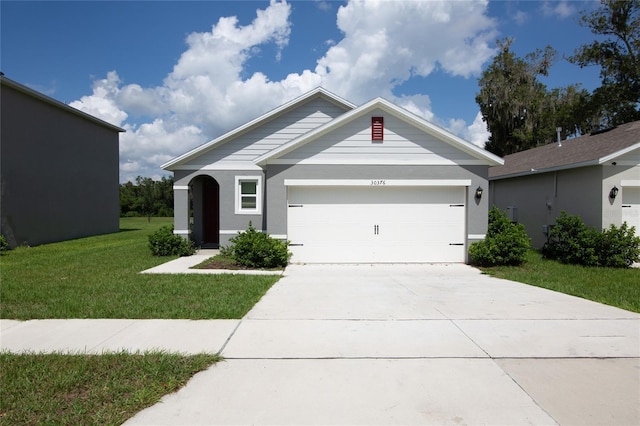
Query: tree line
x=522, y=113
x=147, y=198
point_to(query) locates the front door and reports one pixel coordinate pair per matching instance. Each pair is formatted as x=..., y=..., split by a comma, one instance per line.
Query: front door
x=211, y=212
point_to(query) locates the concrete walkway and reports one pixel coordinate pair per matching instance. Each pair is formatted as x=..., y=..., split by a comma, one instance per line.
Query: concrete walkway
x=387, y=344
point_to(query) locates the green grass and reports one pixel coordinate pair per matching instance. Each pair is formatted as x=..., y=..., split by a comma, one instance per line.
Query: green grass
x=98, y=277
x=611, y=286
x=88, y=389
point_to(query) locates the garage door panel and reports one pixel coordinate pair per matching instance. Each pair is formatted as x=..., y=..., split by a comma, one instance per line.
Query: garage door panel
x=631, y=207
x=376, y=224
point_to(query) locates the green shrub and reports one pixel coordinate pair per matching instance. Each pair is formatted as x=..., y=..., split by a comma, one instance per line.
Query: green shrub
x=255, y=249
x=506, y=243
x=618, y=247
x=164, y=242
x=4, y=245
x=572, y=242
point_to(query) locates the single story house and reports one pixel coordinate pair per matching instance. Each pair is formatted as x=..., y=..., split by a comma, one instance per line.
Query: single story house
x=595, y=176
x=59, y=169
x=342, y=183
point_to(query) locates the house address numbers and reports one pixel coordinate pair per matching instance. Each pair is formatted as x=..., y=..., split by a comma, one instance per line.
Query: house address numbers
x=378, y=182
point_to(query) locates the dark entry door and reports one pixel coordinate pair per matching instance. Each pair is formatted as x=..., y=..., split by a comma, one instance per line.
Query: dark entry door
x=211, y=212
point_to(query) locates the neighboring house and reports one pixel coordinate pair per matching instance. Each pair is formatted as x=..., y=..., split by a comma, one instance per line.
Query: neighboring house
x=58, y=169
x=342, y=183
x=596, y=177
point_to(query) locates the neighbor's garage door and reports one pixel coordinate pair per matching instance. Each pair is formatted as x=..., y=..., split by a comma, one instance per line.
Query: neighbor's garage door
x=376, y=224
x=631, y=206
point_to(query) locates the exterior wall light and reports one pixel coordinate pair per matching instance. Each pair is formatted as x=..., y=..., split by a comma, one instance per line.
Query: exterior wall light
x=479, y=192
x=613, y=193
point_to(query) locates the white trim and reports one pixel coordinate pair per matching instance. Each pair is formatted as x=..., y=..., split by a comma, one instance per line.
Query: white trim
x=181, y=232
x=399, y=112
x=630, y=183
x=238, y=201
x=220, y=166
x=278, y=236
x=619, y=153
x=379, y=162
x=180, y=187
x=476, y=236
x=319, y=91
x=377, y=182
x=235, y=231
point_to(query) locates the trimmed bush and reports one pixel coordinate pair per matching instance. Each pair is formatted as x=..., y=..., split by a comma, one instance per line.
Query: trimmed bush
x=164, y=242
x=506, y=243
x=572, y=242
x=618, y=247
x=255, y=249
x=4, y=245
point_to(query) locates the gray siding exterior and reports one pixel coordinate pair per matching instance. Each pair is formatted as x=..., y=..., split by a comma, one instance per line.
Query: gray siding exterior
x=324, y=139
x=246, y=147
x=540, y=198
x=59, y=170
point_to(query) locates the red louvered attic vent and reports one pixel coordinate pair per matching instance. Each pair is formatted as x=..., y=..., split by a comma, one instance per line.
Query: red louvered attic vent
x=377, y=128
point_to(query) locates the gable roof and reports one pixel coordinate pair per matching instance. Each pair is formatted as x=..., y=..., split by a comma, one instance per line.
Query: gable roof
x=319, y=92
x=401, y=113
x=588, y=150
x=4, y=81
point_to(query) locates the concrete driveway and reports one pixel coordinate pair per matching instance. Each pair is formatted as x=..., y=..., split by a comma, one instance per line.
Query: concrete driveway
x=416, y=344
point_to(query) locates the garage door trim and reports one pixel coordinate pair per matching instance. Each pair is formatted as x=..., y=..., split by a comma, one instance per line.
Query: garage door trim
x=377, y=182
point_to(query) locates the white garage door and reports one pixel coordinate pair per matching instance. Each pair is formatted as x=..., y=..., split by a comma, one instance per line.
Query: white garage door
x=631, y=207
x=376, y=224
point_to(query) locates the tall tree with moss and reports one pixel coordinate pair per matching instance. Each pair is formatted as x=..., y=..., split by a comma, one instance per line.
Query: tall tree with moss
x=519, y=110
x=617, y=53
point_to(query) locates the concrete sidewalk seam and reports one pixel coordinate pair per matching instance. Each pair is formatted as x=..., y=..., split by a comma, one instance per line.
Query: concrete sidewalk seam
x=111, y=337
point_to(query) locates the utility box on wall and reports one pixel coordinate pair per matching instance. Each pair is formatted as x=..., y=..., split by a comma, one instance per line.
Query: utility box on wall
x=512, y=213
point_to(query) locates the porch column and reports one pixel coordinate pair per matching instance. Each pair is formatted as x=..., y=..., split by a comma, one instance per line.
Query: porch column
x=181, y=210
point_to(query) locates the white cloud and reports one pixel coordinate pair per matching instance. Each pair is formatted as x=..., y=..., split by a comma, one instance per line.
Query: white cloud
x=384, y=44
x=561, y=9
x=520, y=17
x=102, y=103
x=477, y=132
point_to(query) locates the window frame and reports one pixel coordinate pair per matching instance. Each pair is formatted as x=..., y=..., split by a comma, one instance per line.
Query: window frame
x=238, y=195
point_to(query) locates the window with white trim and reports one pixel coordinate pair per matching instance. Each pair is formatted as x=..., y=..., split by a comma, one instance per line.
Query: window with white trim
x=248, y=194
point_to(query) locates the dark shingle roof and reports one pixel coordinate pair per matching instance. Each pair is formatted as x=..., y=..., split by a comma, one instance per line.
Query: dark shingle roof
x=580, y=151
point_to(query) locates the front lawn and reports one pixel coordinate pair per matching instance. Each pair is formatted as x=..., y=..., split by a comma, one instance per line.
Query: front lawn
x=98, y=277
x=611, y=286
x=89, y=389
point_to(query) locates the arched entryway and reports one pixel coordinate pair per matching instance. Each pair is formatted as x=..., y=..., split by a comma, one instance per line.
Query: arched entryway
x=204, y=197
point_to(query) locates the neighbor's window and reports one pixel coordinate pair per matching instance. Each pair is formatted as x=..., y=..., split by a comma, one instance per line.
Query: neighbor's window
x=377, y=128
x=248, y=195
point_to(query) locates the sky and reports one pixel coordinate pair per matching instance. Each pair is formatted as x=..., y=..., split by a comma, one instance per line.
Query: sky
x=177, y=74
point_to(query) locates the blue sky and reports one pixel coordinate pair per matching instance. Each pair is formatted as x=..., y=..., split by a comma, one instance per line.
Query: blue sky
x=177, y=74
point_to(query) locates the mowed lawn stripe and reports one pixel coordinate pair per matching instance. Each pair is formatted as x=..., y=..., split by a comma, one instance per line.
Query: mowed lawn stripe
x=99, y=277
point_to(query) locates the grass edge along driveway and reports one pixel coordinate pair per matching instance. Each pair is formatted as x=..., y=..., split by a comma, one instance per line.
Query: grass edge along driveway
x=611, y=286
x=99, y=277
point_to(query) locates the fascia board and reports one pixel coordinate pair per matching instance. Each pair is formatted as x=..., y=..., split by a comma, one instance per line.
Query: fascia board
x=547, y=170
x=313, y=134
x=255, y=123
x=443, y=134
x=620, y=153
x=393, y=109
